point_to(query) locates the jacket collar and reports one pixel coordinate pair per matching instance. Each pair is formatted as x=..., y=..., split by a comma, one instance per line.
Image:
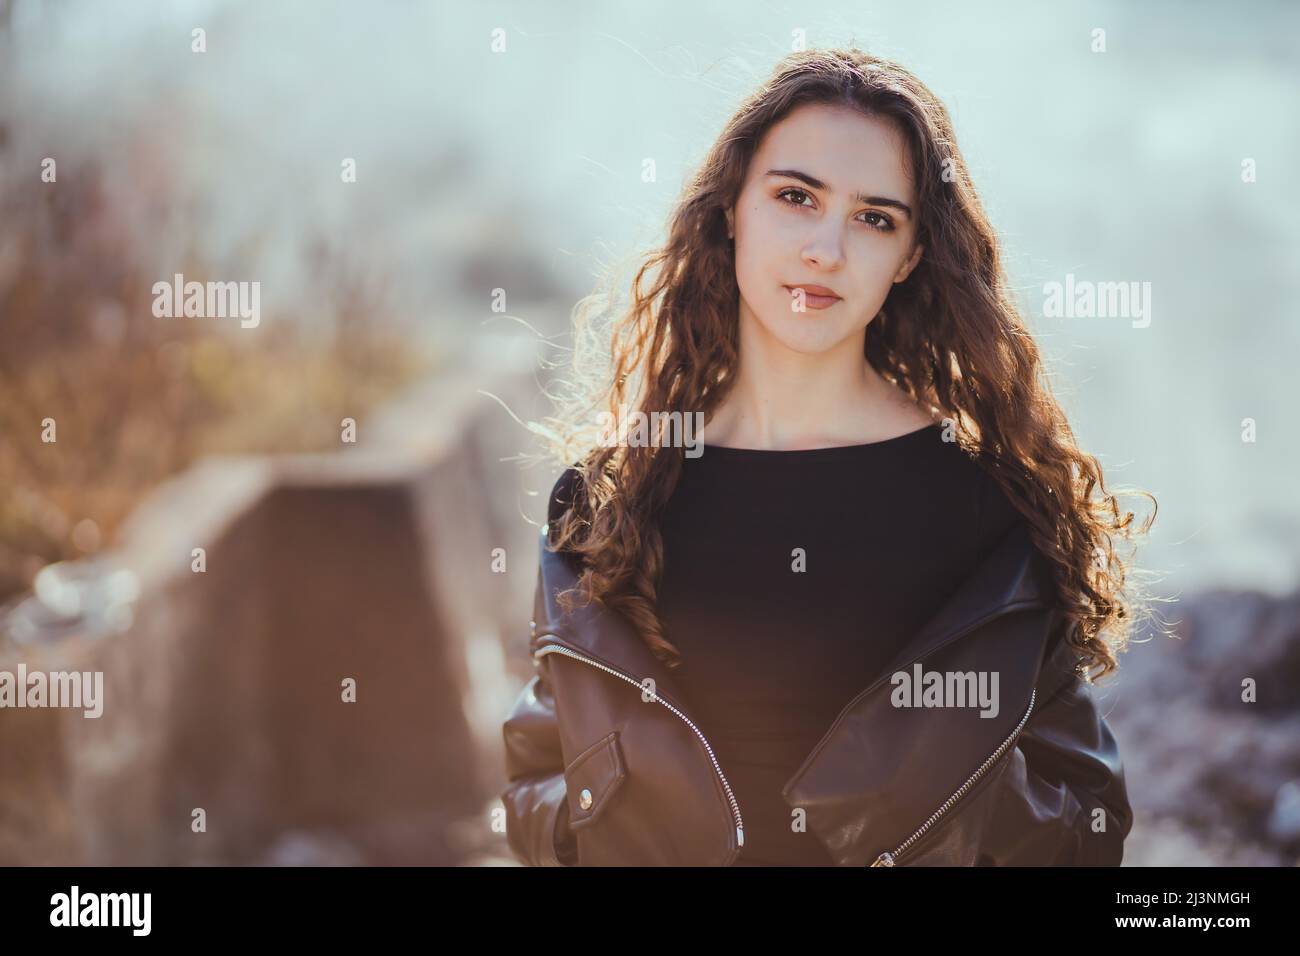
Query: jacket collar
x=1011, y=577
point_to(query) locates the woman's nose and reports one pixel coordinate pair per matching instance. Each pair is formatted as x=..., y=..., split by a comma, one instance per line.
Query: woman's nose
x=825, y=247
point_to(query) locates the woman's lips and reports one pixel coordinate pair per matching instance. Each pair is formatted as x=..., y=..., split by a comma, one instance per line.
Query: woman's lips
x=812, y=299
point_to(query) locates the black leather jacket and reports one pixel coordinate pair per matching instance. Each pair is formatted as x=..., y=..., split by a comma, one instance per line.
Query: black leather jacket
x=605, y=768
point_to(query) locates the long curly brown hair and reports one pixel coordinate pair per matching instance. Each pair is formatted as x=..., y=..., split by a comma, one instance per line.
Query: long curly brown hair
x=949, y=335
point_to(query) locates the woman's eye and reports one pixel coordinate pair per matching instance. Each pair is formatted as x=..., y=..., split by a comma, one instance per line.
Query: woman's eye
x=799, y=192
x=884, y=225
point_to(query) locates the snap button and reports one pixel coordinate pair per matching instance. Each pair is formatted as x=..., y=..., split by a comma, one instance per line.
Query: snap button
x=593, y=778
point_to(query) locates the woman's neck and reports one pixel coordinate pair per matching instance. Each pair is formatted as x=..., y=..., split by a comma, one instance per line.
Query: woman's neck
x=807, y=401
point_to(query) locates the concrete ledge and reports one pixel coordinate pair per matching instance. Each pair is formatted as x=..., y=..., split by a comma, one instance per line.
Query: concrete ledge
x=222, y=692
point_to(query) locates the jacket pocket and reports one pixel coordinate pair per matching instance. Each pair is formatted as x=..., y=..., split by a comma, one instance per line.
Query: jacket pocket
x=593, y=778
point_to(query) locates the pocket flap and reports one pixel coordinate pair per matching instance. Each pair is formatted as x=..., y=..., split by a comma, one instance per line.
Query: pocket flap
x=593, y=778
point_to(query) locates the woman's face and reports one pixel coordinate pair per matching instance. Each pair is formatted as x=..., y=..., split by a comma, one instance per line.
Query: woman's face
x=827, y=201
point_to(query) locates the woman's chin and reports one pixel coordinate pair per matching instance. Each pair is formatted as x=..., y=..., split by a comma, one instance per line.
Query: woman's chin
x=806, y=334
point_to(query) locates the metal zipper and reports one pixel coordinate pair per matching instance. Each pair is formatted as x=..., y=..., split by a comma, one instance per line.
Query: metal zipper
x=891, y=858
x=731, y=797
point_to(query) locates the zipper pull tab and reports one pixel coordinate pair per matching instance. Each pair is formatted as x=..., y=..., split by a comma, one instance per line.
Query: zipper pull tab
x=885, y=859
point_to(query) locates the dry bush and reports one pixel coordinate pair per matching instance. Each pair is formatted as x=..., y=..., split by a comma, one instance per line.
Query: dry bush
x=136, y=398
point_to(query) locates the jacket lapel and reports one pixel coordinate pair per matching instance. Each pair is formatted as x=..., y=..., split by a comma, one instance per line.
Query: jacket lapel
x=596, y=631
x=881, y=770
x=1012, y=577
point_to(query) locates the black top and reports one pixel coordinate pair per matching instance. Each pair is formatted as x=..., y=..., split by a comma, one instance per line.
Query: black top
x=770, y=653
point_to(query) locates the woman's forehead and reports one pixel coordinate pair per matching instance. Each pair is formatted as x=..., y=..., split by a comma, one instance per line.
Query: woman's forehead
x=847, y=150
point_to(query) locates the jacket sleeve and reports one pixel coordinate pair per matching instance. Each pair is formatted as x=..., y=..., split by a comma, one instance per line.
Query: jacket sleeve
x=535, y=798
x=1064, y=768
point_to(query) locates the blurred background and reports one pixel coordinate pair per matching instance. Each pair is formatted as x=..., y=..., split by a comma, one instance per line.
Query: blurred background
x=423, y=191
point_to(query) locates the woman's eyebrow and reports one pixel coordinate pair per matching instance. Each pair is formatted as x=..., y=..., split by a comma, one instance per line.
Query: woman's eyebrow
x=816, y=183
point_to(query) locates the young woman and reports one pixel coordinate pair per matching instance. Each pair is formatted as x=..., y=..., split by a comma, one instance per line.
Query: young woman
x=847, y=629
